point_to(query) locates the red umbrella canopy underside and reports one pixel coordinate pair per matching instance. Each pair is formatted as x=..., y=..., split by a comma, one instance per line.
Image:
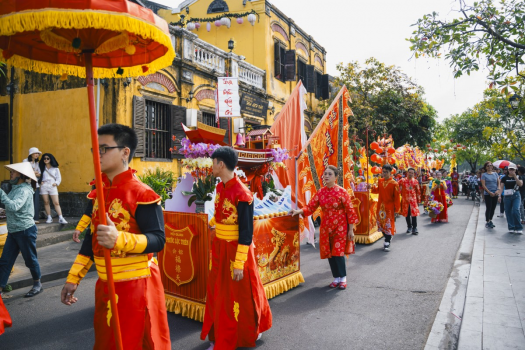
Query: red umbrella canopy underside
x=118, y=32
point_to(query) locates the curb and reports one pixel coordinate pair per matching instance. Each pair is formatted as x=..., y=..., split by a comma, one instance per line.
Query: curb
x=48, y=277
x=447, y=324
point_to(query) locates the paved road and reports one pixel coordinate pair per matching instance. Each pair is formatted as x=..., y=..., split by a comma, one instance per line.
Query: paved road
x=391, y=300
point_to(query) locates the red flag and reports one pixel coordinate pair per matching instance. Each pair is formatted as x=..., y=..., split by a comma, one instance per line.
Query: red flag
x=290, y=128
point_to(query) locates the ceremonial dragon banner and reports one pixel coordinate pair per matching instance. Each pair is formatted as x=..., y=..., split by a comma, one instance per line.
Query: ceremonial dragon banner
x=329, y=144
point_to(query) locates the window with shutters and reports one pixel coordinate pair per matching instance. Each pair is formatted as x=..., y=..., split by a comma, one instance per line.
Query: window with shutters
x=4, y=131
x=301, y=72
x=209, y=119
x=157, y=130
x=318, y=82
x=279, y=61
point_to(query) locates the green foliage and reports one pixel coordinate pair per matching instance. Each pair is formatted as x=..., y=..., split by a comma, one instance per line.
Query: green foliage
x=489, y=32
x=201, y=189
x=387, y=101
x=160, y=181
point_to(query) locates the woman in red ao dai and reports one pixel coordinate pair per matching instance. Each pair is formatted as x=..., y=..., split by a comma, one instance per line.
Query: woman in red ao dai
x=337, y=225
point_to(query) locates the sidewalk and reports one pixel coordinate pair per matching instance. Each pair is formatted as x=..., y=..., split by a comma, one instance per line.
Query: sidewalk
x=494, y=314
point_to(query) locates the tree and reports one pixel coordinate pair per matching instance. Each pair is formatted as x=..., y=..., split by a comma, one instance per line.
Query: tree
x=489, y=32
x=387, y=101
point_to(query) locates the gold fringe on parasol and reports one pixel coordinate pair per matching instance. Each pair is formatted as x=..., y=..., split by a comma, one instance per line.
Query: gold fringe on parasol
x=368, y=239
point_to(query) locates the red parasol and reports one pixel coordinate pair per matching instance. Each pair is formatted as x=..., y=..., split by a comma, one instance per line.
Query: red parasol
x=85, y=38
x=502, y=164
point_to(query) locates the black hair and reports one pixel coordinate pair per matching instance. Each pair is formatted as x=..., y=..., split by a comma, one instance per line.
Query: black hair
x=227, y=155
x=433, y=169
x=25, y=178
x=30, y=158
x=521, y=170
x=411, y=169
x=387, y=167
x=42, y=165
x=334, y=169
x=124, y=136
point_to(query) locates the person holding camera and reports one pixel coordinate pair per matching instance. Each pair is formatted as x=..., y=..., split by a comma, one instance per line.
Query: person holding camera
x=509, y=186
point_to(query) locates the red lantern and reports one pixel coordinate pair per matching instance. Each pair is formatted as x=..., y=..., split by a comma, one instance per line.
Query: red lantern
x=435, y=150
x=445, y=150
x=451, y=140
x=428, y=145
x=375, y=158
x=379, y=150
x=374, y=145
x=360, y=172
x=391, y=161
x=458, y=145
x=464, y=147
x=376, y=170
x=394, y=171
x=391, y=150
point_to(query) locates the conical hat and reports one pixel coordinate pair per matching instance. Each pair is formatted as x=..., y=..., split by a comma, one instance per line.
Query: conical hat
x=23, y=168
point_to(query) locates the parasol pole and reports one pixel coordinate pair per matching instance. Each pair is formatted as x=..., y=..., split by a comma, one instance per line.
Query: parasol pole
x=115, y=324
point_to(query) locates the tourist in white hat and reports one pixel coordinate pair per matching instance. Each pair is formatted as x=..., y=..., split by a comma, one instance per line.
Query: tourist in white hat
x=33, y=158
x=20, y=225
x=49, y=182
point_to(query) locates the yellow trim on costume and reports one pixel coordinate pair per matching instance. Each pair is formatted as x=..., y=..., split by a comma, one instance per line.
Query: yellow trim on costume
x=83, y=223
x=239, y=265
x=236, y=310
x=212, y=222
x=241, y=256
x=145, y=203
x=368, y=239
x=128, y=242
x=227, y=232
x=241, y=248
x=79, y=269
x=282, y=285
x=125, y=269
x=31, y=20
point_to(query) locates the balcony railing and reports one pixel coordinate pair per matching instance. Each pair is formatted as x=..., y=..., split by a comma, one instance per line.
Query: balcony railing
x=251, y=75
x=205, y=55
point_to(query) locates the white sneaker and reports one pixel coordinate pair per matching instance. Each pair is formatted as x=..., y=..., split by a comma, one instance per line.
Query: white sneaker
x=62, y=220
x=49, y=220
x=259, y=337
x=386, y=246
x=520, y=232
x=212, y=345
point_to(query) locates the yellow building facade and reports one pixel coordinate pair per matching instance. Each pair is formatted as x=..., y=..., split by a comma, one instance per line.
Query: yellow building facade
x=38, y=110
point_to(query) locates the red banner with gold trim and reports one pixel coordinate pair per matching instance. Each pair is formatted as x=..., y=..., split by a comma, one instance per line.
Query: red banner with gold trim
x=177, y=261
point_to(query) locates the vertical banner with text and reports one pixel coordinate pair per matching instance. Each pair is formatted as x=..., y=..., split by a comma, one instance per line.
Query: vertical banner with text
x=227, y=98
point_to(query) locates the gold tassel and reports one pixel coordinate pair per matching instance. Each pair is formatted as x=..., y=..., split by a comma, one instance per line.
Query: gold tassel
x=368, y=239
x=57, y=42
x=273, y=289
x=185, y=308
x=117, y=42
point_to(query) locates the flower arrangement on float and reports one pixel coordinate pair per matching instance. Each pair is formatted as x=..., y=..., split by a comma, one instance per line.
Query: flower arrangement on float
x=279, y=155
x=449, y=201
x=434, y=208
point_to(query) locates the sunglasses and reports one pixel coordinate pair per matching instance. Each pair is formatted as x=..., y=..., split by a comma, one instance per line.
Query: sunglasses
x=47, y=159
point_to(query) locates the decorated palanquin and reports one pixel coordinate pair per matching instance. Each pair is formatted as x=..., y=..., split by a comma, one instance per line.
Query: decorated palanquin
x=185, y=260
x=366, y=231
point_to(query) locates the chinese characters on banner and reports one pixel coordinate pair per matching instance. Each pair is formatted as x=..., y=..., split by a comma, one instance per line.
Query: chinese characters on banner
x=227, y=98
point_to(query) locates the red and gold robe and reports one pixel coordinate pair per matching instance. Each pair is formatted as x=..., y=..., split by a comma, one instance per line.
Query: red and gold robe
x=455, y=184
x=236, y=311
x=337, y=213
x=388, y=205
x=5, y=318
x=410, y=196
x=140, y=293
x=424, y=189
x=440, y=196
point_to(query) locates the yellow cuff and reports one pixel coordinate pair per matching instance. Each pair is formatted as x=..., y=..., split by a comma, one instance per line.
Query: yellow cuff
x=130, y=243
x=238, y=265
x=83, y=223
x=79, y=269
x=212, y=222
x=241, y=256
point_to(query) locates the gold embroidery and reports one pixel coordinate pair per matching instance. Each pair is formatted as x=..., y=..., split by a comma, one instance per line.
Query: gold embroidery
x=229, y=207
x=109, y=310
x=117, y=211
x=231, y=267
x=236, y=310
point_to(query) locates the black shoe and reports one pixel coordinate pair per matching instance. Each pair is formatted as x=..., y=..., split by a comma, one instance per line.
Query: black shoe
x=409, y=230
x=491, y=224
x=33, y=292
x=415, y=231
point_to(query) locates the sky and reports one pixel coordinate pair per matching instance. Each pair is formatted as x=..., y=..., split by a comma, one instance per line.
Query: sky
x=354, y=30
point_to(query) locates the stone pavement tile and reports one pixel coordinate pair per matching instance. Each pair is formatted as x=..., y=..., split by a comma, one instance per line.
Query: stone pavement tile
x=472, y=315
x=497, y=337
x=499, y=301
x=509, y=251
x=500, y=319
x=519, y=290
x=516, y=268
x=501, y=278
x=509, y=309
x=501, y=290
x=475, y=287
x=470, y=340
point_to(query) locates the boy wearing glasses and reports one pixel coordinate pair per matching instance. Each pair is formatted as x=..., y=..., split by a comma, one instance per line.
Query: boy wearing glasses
x=134, y=231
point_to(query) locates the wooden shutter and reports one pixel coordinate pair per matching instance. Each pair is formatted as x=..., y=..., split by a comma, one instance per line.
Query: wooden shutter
x=4, y=131
x=289, y=65
x=224, y=123
x=325, y=87
x=178, y=117
x=310, y=78
x=277, y=59
x=139, y=124
x=200, y=118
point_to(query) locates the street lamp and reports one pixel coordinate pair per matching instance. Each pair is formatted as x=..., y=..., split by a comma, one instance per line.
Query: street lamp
x=231, y=45
x=514, y=101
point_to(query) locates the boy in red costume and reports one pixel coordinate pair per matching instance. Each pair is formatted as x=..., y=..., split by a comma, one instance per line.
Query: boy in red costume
x=387, y=206
x=410, y=199
x=135, y=231
x=455, y=183
x=237, y=311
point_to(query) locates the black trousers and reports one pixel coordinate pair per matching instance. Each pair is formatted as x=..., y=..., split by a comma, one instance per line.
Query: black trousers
x=36, y=203
x=337, y=265
x=502, y=205
x=411, y=220
x=490, y=207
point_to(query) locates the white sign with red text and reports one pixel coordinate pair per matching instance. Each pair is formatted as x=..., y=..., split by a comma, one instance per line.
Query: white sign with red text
x=227, y=98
